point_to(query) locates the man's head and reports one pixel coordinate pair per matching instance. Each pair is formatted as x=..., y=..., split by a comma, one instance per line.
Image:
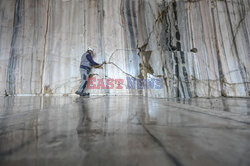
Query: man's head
x=90, y=50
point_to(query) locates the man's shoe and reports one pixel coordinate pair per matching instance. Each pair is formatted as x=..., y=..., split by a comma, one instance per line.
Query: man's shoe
x=78, y=93
x=84, y=94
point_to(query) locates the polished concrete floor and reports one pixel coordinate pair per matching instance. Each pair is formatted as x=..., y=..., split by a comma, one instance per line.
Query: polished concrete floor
x=124, y=131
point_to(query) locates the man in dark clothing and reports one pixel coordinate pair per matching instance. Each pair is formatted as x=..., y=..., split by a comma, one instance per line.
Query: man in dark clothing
x=86, y=63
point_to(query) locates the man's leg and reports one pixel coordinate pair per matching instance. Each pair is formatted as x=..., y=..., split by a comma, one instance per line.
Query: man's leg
x=84, y=75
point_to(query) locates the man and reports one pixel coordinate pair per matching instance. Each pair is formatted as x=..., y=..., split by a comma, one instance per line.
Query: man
x=86, y=63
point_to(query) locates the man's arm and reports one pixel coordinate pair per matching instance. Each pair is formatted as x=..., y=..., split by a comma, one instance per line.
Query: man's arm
x=92, y=62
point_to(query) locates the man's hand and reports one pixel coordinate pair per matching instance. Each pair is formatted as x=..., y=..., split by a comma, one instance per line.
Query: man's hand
x=99, y=66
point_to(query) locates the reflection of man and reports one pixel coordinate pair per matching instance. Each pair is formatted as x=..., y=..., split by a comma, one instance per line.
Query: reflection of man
x=86, y=63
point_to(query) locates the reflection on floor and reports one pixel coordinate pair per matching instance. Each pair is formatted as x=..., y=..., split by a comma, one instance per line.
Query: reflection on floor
x=124, y=131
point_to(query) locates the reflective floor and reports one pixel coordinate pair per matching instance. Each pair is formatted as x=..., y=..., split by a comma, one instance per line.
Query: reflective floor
x=124, y=131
